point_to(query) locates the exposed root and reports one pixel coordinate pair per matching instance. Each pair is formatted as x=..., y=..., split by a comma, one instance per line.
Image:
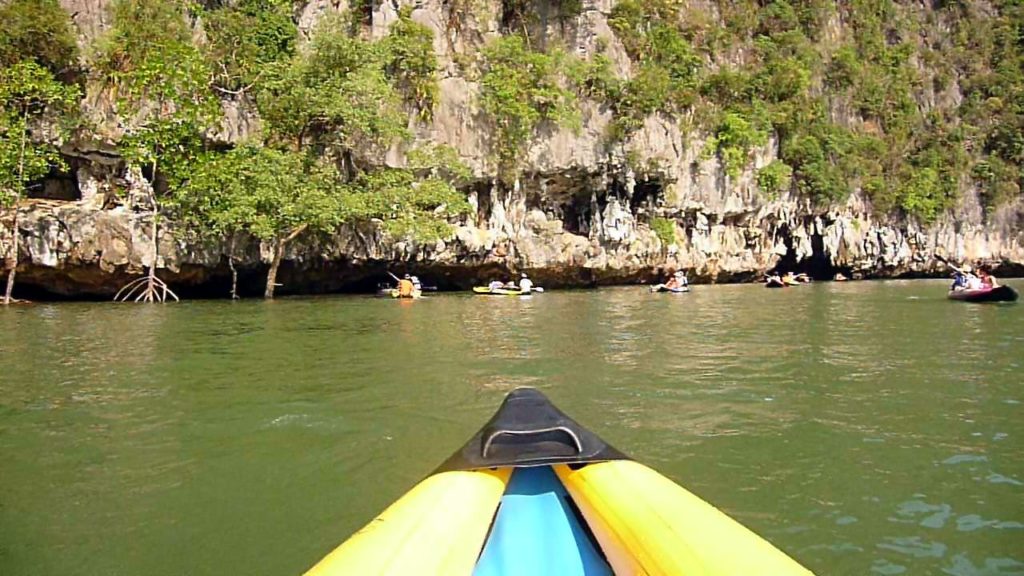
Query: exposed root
x=145, y=289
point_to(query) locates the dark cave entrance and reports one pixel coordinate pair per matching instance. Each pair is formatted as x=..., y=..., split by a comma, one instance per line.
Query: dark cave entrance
x=58, y=184
x=818, y=266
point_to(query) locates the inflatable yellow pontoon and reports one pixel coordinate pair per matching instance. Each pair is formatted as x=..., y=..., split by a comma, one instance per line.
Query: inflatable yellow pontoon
x=535, y=494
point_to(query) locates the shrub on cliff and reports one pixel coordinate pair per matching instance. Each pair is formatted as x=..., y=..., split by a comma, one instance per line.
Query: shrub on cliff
x=244, y=37
x=335, y=95
x=774, y=178
x=38, y=30
x=411, y=64
x=29, y=97
x=519, y=89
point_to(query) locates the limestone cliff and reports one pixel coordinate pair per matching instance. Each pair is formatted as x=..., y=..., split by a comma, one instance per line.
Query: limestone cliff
x=579, y=213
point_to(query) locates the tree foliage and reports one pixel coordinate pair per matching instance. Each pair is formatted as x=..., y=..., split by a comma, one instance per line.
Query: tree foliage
x=261, y=191
x=411, y=63
x=519, y=89
x=764, y=67
x=774, y=178
x=335, y=95
x=245, y=37
x=161, y=81
x=39, y=30
x=35, y=110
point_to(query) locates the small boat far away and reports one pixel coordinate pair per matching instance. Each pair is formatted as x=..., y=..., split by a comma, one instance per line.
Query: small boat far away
x=533, y=493
x=486, y=291
x=663, y=288
x=1002, y=293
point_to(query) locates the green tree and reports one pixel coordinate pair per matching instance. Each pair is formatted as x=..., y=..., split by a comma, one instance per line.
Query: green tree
x=519, y=89
x=278, y=195
x=162, y=83
x=335, y=96
x=245, y=37
x=39, y=30
x=29, y=97
x=270, y=194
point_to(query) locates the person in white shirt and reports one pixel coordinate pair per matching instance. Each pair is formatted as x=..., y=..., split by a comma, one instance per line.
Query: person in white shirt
x=525, y=284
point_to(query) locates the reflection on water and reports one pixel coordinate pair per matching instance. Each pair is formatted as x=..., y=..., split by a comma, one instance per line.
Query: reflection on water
x=866, y=428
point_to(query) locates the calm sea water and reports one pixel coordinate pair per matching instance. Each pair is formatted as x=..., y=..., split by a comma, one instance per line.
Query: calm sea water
x=865, y=428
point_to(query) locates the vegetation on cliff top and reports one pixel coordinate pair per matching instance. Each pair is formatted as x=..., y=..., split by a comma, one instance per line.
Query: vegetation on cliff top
x=869, y=106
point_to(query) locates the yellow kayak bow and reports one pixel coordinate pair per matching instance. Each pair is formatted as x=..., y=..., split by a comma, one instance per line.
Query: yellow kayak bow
x=533, y=493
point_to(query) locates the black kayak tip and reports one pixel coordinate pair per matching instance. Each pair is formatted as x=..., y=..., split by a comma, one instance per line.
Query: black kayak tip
x=528, y=430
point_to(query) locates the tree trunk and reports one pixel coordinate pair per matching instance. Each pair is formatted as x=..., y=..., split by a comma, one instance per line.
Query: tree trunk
x=272, y=273
x=231, y=265
x=12, y=260
x=151, y=283
x=234, y=278
x=275, y=263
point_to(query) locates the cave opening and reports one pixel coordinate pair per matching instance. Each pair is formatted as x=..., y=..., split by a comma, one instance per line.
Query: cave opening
x=484, y=202
x=58, y=184
x=819, y=266
x=577, y=213
x=647, y=194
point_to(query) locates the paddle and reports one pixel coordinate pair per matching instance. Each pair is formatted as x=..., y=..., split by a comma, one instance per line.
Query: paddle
x=942, y=259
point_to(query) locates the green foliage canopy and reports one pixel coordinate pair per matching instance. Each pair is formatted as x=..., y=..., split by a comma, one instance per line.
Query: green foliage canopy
x=519, y=89
x=336, y=94
x=264, y=192
x=162, y=82
x=39, y=30
x=245, y=37
x=31, y=101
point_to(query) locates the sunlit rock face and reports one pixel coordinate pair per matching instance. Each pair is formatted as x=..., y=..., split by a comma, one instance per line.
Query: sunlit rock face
x=579, y=213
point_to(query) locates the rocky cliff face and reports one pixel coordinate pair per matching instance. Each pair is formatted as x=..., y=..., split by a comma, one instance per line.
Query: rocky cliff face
x=580, y=212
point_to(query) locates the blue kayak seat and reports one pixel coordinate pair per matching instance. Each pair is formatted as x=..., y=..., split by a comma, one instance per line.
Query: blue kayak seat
x=537, y=532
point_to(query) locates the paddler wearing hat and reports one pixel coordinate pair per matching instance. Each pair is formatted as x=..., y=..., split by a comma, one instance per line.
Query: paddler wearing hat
x=525, y=284
x=406, y=287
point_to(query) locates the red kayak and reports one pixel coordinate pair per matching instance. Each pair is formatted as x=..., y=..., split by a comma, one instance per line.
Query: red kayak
x=997, y=294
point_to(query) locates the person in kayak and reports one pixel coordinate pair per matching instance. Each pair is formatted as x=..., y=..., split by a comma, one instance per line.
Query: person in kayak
x=673, y=282
x=959, y=280
x=495, y=285
x=972, y=282
x=406, y=287
x=988, y=281
x=416, y=283
x=525, y=284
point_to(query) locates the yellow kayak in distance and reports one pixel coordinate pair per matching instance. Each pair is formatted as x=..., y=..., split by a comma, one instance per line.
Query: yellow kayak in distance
x=533, y=493
x=487, y=291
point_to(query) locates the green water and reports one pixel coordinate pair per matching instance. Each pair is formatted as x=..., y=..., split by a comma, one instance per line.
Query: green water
x=865, y=428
